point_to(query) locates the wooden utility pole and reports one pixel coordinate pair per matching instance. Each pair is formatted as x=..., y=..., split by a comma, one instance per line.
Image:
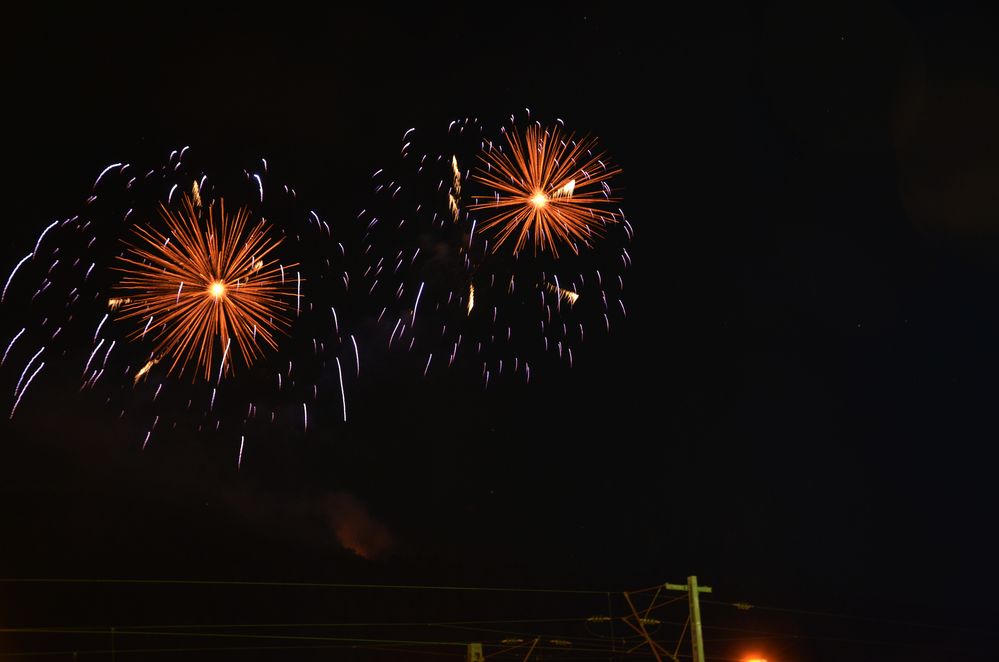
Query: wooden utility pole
x=693, y=590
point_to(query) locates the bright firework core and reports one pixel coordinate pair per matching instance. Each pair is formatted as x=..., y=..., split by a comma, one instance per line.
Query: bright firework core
x=539, y=199
x=217, y=289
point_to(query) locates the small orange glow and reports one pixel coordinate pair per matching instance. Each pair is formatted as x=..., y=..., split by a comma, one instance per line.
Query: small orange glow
x=217, y=289
x=566, y=191
x=755, y=658
x=539, y=199
x=144, y=370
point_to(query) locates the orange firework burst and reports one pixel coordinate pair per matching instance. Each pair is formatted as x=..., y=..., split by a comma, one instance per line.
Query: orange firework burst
x=547, y=187
x=204, y=283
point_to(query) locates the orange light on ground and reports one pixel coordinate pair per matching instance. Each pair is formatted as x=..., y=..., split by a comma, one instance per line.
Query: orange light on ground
x=755, y=658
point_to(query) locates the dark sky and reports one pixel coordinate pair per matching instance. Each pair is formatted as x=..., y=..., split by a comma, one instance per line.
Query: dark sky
x=800, y=409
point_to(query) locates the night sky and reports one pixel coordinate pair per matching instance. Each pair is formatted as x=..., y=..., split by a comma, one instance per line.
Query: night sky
x=800, y=408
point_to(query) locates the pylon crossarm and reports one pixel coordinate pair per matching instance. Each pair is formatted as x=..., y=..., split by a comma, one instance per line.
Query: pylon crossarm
x=653, y=602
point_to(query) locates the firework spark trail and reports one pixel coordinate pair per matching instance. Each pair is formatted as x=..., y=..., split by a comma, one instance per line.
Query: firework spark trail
x=196, y=193
x=87, y=367
x=357, y=355
x=394, y=329
x=104, y=172
x=25, y=389
x=98, y=331
x=225, y=353
x=564, y=295
x=260, y=186
x=42, y=236
x=11, y=344
x=145, y=329
x=343, y=394
x=239, y=460
x=144, y=370
x=107, y=354
x=566, y=191
x=11, y=276
x=26, y=368
x=97, y=375
x=456, y=176
x=415, y=305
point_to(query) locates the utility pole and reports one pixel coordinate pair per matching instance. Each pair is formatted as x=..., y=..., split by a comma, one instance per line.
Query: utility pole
x=693, y=590
x=473, y=653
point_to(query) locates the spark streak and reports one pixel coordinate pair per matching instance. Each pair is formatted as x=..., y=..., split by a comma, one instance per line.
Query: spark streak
x=343, y=394
x=11, y=344
x=25, y=389
x=11, y=276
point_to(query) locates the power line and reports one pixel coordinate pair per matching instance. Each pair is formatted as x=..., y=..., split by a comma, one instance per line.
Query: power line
x=463, y=625
x=210, y=649
x=188, y=649
x=589, y=642
x=223, y=626
x=345, y=642
x=216, y=582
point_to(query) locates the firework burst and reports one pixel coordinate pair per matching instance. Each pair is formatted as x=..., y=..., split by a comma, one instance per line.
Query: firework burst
x=449, y=239
x=180, y=312
x=551, y=188
x=207, y=281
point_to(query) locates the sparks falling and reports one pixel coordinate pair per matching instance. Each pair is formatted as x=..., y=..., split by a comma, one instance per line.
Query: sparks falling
x=144, y=370
x=568, y=296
